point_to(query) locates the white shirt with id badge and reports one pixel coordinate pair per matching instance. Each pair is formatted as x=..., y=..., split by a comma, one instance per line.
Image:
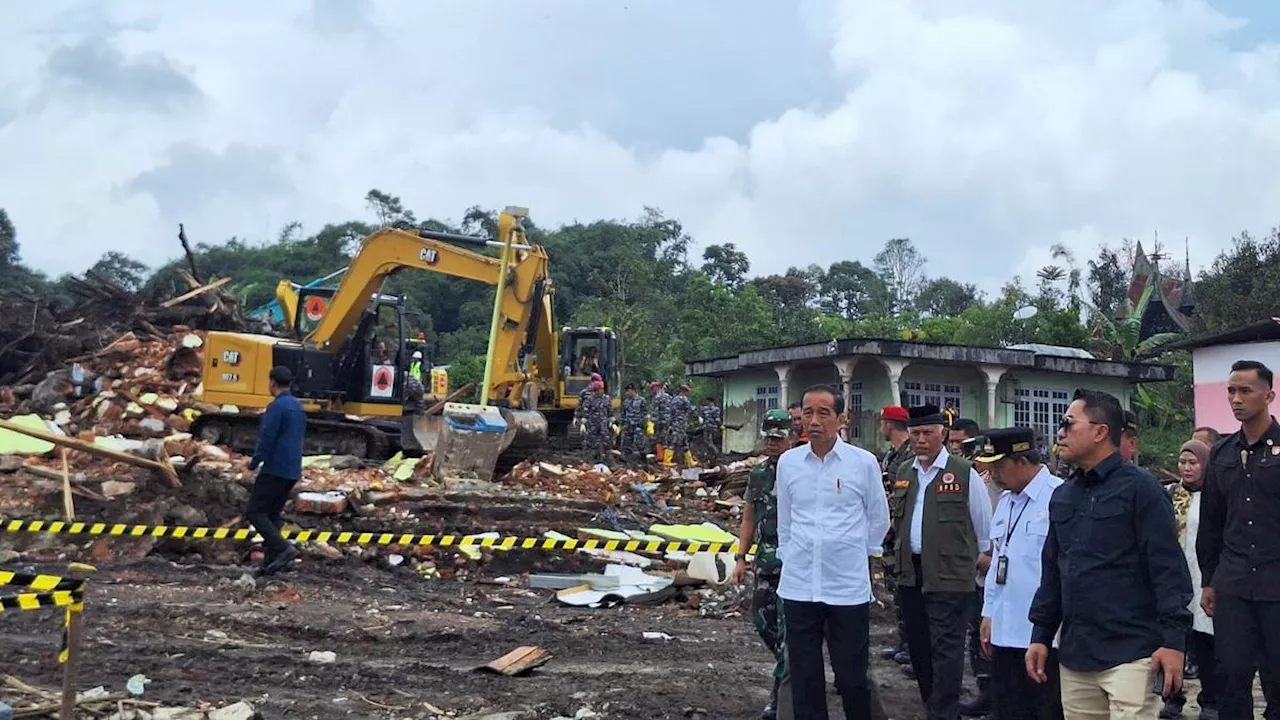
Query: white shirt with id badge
x=1019, y=528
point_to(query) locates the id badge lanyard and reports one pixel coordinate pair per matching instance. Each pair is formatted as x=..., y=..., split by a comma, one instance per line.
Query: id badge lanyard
x=1002, y=562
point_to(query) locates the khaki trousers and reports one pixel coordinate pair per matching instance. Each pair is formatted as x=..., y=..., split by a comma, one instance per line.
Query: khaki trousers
x=1120, y=693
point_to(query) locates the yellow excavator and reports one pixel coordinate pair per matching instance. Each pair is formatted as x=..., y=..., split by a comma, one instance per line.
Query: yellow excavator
x=350, y=354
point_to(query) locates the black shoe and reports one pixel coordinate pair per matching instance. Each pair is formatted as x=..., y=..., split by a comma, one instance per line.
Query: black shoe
x=1171, y=710
x=769, y=713
x=890, y=653
x=281, y=561
x=902, y=657
x=909, y=671
x=1191, y=671
x=977, y=707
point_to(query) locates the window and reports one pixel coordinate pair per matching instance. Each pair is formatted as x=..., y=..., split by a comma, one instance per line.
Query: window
x=940, y=394
x=855, y=409
x=1040, y=409
x=766, y=400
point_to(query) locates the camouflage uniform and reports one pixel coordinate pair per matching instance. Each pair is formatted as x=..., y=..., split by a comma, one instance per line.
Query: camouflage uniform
x=633, y=416
x=711, y=421
x=679, y=411
x=766, y=609
x=597, y=413
x=658, y=414
x=411, y=406
x=893, y=460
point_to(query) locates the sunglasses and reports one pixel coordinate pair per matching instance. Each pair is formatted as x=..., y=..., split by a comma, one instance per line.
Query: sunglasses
x=1067, y=423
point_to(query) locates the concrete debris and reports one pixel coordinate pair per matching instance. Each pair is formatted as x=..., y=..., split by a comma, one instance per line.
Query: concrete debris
x=323, y=657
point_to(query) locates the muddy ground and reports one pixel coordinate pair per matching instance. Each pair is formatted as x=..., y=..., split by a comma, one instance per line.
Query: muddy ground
x=402, y=642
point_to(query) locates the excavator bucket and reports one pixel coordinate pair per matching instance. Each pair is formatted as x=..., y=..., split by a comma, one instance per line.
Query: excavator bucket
x=470, y=440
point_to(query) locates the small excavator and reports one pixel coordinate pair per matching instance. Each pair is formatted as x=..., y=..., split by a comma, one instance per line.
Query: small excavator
x=350, y=355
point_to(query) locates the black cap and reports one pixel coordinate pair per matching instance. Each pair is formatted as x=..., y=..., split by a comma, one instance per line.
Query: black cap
x=1003, y=441
x=1131, y=423
x=925, y=415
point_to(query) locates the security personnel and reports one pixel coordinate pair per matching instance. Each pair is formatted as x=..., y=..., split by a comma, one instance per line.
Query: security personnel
x=1018, y=530
x=658, y=416
x=893, y=428
x=679, y=411
x=633, y=418
x=964, y=439
x=760, y=525
x=1129, y=437
x=941, y=520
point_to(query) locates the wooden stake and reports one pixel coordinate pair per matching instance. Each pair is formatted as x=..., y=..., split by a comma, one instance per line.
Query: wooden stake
x=68, y=711
x=68, y=504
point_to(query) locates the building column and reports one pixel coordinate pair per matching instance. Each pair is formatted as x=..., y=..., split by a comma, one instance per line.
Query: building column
x=993, y=374
x=784, y=381
x=895, y=366
x=845, y=366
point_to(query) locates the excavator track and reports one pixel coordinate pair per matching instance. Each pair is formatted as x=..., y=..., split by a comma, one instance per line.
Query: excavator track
x=324, y=436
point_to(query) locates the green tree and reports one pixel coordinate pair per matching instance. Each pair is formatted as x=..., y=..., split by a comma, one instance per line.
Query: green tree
x=725, y=264
x=850, y=290
x=902, y=267
x=120, y=270
x=1242, y=286
x=1108, y=281
x=9, y=255
x=944, y=297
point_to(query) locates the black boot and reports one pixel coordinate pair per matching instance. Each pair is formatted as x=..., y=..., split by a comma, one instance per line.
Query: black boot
x=890, y=653
x=980, y=705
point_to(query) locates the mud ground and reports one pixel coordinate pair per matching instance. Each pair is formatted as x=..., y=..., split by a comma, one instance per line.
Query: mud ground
x=404, y=645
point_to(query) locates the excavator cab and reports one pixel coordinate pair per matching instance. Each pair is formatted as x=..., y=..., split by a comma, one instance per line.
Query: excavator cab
x=587, y=350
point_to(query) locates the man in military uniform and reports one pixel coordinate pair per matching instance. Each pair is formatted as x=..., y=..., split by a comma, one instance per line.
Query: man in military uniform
x=633, y=418
x=412, y=406
x=1129, y=437
x=597, y=414
x=711, y=422
x=760, y=525
x=893, y=428
x=658, y=416
x=679, y=411
x=941, y=513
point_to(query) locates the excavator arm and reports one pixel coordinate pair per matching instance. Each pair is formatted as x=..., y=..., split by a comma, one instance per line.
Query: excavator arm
x=525, y=310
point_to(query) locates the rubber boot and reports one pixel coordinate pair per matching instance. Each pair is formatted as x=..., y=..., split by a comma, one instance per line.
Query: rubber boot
x=668, y=456
x=658, y=451
x=689, y=459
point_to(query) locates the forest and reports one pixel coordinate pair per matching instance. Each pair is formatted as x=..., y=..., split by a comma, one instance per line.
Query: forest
x=673, y=298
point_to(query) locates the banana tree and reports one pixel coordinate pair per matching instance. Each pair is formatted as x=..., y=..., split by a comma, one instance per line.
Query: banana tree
x=1121, y=338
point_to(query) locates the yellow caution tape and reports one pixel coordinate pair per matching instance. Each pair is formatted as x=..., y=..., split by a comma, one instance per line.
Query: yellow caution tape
x=42, y=583
x=55, y=592
x=37, y=601
x=184, y=532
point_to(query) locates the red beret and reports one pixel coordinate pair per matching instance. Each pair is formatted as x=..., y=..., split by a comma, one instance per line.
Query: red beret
x=894, y=412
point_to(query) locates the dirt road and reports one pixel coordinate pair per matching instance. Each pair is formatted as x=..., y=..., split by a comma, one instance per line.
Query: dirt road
x=405, y=646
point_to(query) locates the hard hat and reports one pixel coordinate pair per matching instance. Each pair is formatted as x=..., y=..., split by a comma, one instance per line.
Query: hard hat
x=417, y=354
x=777, y=423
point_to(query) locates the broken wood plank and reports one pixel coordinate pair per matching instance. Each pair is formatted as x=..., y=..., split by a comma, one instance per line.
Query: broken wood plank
x=195, y=293
x=518, y=661
x=166, y=470
x=448, y=399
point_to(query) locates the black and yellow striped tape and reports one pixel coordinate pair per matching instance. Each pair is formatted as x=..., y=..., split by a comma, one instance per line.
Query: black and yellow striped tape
x=183, y=532
x=36, y=601
x=40, y=583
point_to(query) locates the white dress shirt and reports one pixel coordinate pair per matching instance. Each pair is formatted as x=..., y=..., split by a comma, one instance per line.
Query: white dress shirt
x=1018, y=531
x=1201, y=622
x=832, y=514
x=979, y=503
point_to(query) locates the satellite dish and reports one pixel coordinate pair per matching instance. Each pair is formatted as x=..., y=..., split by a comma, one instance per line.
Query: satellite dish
x=1025, y=313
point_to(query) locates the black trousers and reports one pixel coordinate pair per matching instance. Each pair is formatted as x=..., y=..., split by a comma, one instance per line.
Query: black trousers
x=1246, y=638
x=1018, y=697
x=845, y=629
x=266, y=505
x=978, y=662
x=936, y=626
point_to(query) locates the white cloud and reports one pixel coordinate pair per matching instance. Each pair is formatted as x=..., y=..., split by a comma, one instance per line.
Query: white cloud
x=803, y=135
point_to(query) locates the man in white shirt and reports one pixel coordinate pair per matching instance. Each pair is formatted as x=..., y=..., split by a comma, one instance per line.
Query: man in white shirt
x=942, y=518
x=832, y=514
x=1018, y=531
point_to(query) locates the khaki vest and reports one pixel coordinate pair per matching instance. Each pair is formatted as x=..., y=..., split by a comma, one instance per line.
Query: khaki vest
x=949, y=547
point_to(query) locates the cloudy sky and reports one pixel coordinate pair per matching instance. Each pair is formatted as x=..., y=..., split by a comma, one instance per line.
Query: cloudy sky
x=804, y=131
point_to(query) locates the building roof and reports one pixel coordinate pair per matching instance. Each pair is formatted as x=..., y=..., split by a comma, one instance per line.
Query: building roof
x=1053, y=361
x=1262, y=331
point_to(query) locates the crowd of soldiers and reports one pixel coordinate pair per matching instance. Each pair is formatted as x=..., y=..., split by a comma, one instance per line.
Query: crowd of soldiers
x=661, y=424
x=1080, y=587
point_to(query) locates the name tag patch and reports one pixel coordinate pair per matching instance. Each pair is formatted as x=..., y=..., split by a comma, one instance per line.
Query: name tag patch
x=901, y=484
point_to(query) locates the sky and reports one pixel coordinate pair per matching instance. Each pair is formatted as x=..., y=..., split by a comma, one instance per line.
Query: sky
x=803, y=132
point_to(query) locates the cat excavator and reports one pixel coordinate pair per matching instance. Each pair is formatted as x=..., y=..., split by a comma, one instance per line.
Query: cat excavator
x=350, y=354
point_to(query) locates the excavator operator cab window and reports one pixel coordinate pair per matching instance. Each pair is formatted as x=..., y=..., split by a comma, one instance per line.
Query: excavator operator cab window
x=590, y=350
x=312, y=304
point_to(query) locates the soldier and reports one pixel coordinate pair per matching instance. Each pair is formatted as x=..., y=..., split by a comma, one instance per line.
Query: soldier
x=942, y=516
x=893, y=428
x=711, y=424
x=596, y=415
x=658, y=416
x=1129, y=437
x=760, y=524
x=633, y=418
x=412, y=406
x=679, y=411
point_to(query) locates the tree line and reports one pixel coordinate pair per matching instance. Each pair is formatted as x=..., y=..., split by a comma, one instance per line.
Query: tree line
x=670, y=304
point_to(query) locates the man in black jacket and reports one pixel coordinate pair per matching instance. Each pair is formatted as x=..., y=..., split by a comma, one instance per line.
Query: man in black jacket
x=1114, y=581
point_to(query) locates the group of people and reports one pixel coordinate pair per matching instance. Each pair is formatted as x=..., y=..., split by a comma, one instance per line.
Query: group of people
x=661, y=424
x=1086, y=593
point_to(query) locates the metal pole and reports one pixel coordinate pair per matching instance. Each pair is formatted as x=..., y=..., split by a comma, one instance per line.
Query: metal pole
x=507, y=225
x=68, y=710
